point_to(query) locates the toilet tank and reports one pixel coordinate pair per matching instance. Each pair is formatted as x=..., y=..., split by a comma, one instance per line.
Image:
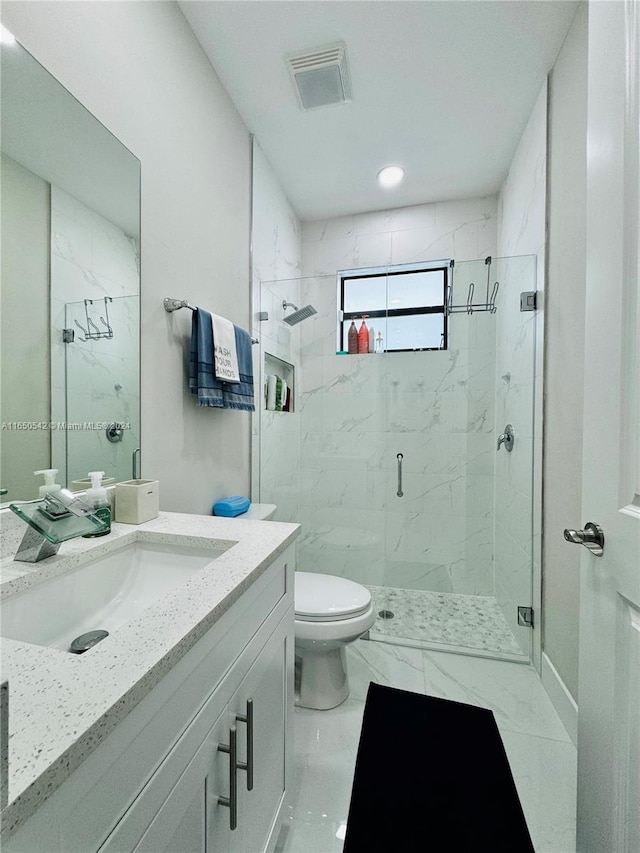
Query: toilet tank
x=260, y=512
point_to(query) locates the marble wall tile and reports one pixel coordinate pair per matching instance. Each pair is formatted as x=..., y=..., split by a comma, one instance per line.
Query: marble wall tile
x=352, y=450
x=93, y=380
x=364, y=410
x=367, y=250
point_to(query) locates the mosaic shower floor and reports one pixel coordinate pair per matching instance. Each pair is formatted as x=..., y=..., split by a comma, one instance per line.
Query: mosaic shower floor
x=462, y=622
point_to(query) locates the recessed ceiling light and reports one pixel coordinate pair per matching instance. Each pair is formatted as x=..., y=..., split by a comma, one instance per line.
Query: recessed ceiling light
x=390, y=176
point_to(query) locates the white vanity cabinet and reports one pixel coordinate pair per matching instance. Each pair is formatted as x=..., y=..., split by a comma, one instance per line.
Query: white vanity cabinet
x=155, y=784
x=191, y=819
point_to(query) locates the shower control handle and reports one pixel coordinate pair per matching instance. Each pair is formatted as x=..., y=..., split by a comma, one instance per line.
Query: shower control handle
x=507, y=438
x=399, y=457
x=592, y=537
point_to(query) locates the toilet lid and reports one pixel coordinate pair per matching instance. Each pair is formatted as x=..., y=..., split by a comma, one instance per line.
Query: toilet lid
x=325, y=598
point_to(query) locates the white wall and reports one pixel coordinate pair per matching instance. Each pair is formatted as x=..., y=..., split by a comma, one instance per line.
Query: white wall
x=139, y=69
x=25, y=328
x=565, y=349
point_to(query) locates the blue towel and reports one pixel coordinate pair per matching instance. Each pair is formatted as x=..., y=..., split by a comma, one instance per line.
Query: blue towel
x=202, y=381
x=240, y=396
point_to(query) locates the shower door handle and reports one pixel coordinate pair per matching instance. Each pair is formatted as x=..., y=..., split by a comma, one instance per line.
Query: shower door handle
x=399, y=457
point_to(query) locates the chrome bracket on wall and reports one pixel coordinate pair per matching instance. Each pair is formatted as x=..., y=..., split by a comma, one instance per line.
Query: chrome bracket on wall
x=525, y=617
x=529, y=300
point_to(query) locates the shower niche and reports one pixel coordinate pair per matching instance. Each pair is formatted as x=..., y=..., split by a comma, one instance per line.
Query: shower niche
x=279, y=383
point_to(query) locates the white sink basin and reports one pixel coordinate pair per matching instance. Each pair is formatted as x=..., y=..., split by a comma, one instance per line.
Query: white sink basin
x=101, y=595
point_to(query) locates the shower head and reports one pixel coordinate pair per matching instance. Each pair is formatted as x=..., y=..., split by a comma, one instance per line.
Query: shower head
x=299, y=314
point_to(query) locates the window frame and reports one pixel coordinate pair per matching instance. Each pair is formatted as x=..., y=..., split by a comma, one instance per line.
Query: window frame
x=443, y=266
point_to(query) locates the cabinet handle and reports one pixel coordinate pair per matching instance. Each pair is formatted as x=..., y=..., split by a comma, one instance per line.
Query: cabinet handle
x=248, y=719
x=231, y=802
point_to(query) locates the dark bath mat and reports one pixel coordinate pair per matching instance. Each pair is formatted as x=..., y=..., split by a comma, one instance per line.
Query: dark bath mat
x=432, y=776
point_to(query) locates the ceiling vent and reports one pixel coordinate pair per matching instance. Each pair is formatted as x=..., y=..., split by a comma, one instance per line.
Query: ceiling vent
x=320, y=76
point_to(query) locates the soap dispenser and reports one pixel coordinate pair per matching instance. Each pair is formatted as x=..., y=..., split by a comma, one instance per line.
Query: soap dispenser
x=97, y=499
x=50, y=484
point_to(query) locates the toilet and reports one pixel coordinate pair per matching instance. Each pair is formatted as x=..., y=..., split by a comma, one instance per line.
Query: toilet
x=329, y=613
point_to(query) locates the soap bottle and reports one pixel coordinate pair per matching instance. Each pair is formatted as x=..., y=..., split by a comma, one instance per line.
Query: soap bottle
x=363, y=337
x=97, y=499
x=352, y=339
x=50, y=484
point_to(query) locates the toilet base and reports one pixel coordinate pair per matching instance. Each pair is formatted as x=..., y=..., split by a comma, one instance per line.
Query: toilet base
x=321, y=680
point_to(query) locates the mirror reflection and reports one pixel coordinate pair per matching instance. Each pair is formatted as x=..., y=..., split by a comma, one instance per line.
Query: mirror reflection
x=70, y=340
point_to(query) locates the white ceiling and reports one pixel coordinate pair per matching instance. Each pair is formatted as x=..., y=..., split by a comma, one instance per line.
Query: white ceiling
x=441, y=87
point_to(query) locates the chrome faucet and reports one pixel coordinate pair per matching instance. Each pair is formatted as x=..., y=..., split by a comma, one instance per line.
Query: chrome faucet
x=48, y=520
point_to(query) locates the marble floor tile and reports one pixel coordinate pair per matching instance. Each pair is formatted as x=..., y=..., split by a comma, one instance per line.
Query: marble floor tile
x=326, y=744
x=513, y=691
x=475, y=622
x=541, y=755
x=545, y=775
x=395, y=666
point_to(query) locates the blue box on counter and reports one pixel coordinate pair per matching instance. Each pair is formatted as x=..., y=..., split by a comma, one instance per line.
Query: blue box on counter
x=230, y=507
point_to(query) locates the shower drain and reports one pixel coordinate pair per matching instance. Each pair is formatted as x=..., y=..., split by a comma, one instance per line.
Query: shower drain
x=386, y=614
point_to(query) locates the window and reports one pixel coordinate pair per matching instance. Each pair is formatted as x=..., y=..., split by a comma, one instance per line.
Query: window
x=404, y=305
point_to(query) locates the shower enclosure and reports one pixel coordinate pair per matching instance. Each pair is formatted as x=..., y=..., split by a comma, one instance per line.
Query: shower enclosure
x=391, y=460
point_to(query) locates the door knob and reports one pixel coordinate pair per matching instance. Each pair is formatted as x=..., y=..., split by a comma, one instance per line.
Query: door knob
x=592, y=537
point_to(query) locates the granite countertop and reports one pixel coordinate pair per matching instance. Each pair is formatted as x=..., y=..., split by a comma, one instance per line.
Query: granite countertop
x=62, y=705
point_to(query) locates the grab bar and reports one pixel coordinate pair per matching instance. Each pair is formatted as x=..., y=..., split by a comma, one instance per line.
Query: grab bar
x=399, y=457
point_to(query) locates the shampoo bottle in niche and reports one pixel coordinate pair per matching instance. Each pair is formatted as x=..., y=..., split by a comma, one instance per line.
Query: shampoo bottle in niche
x=363, y=336
x=352, y=339
x=49, y=481
x=97, y=498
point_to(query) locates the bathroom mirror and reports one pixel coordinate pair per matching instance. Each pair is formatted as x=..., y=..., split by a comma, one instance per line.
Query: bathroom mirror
x=70, y=336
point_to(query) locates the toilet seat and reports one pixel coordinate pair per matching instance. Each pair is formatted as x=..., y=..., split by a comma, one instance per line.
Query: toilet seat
x=326, y=598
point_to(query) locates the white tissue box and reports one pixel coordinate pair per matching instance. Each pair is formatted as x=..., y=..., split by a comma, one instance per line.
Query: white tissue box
x=137, y=501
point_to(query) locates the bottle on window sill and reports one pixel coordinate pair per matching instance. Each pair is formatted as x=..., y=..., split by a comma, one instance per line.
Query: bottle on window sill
x=352, y=339
x=363, y=337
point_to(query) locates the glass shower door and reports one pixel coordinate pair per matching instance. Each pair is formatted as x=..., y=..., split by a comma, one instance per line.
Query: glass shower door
x=459, y=547
x=321, y=460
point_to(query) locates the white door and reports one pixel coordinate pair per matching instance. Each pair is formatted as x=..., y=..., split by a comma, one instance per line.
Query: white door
x=609, y=688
